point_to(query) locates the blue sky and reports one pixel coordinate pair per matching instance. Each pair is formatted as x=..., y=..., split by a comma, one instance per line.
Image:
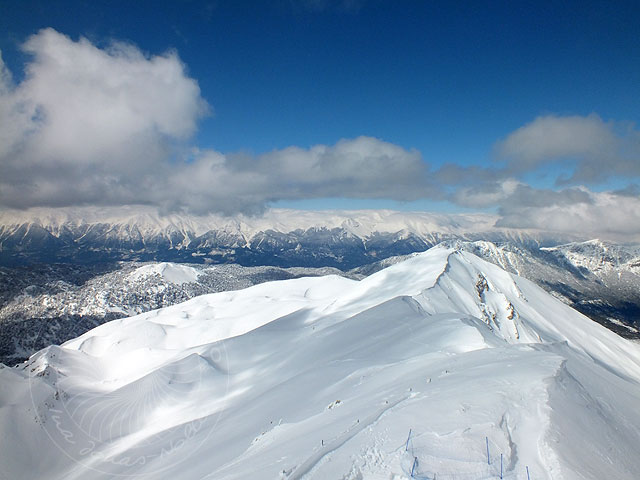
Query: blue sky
x=453, y=81
x=448, y=78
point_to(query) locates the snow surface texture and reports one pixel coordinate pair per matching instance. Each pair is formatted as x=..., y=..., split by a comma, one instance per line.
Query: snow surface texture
x=597, y=278
x=323, y=378
x=50, y=304
x=171, y=272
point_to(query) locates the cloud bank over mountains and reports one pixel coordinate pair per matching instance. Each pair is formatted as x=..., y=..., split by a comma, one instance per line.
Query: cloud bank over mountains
x=597, y=150
x=111, y=126
x=92, y=125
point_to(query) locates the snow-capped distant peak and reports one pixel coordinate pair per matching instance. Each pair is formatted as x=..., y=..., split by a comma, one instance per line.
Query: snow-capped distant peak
x=170, y=272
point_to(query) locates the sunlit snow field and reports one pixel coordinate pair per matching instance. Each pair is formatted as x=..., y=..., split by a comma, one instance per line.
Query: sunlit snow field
x=325, y=377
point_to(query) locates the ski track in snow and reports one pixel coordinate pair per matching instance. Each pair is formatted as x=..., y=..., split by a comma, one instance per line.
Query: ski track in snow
x=308, y=465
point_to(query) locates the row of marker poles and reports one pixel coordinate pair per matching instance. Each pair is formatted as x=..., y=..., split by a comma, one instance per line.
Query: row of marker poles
x=415, y=459
x=489, y=459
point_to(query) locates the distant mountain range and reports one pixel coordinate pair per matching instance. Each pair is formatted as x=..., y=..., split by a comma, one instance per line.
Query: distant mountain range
x=285, y=238
x=66, y=272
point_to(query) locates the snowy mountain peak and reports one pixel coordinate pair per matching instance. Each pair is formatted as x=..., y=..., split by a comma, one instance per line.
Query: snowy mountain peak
x=171, y=272
x=596, y=255
x=438, y=366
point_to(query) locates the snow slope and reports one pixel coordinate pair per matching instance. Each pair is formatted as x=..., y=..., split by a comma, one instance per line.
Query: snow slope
x=170, y=272
x=50, y=304
x=324, y=377
x=597, y=278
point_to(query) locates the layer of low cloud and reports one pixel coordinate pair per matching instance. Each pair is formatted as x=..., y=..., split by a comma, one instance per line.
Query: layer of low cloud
x=363, y=167
x=595, y=150
x=576, y=211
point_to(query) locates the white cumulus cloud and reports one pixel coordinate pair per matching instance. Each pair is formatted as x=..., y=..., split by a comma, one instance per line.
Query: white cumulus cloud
x=363, y=167
x=96, y=126
x=596, y=150
x=85, y=119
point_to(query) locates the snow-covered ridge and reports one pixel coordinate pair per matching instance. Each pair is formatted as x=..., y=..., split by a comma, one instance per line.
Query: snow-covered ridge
x=599, y=257
x=323, y=378
x=171, y=272
x=598, y=278
x=50, y=304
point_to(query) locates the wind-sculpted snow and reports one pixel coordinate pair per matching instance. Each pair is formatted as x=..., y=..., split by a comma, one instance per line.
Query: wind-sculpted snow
x=325, y=377
x=50, y=304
